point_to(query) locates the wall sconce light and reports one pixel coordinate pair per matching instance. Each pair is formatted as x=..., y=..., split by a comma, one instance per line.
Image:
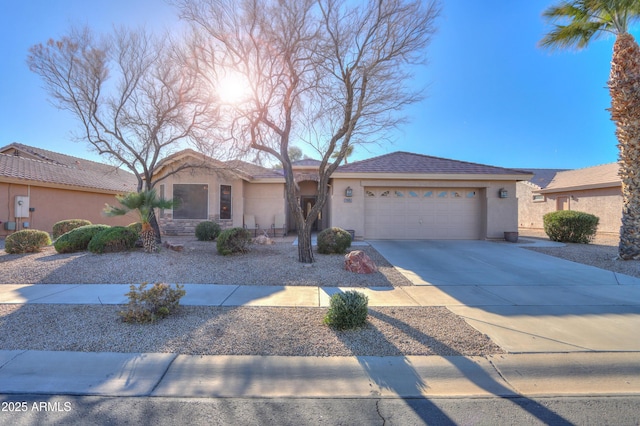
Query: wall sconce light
x=348, y=192
x=503, y=193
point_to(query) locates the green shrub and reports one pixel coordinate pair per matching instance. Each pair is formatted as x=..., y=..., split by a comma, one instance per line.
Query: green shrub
x=77, y=239
x=148, y=305
x=233, y=240
x=64, y=226
x=347, y=310
x=26, y=241
x=115, y=239
x=207, y=231
x=570, y=226
x=333, y=240
x=135, y=227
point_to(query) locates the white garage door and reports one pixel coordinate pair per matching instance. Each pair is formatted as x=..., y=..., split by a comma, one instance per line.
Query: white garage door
x=422, y=213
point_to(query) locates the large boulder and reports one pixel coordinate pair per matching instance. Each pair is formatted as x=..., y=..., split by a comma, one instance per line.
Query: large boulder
x=357, y=261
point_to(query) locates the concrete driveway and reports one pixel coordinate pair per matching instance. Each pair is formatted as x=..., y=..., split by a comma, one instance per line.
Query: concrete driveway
x=525, y=301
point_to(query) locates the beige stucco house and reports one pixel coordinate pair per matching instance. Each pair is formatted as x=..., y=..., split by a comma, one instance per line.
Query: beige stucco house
x=595, y=190
x=39, y=188
x=399, y=195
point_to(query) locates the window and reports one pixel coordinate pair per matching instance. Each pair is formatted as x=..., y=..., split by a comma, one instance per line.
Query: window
x=370, y=194
x=471, y=194
x=192, y=201
x=399, y=193
x=428, y=194
x=413, y=193
x=537, y=198
x=162, y=197
x=442, y=194
x=225, y=201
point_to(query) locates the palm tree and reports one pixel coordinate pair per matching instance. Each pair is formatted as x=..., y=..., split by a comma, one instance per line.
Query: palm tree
x=586, y=20
x=347, y=154
x=143, y=202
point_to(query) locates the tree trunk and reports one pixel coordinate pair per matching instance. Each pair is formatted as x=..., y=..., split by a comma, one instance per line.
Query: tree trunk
x=305, y=248
x=624, y=88
x=156, y=227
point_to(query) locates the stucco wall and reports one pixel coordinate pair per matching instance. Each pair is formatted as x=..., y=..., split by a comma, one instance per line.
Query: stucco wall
x=53, y=205
x=606, y=203
x=264, y=201
x=345, y=212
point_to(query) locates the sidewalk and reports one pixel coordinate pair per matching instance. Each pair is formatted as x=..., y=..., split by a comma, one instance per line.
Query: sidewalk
x=171, y=375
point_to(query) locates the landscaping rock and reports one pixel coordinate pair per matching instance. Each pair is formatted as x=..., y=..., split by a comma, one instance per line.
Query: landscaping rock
x=357, y=261
x=174, y=247
x=263, y=239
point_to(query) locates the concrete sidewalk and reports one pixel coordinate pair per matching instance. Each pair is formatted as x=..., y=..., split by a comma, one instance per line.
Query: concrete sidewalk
x=171, y=375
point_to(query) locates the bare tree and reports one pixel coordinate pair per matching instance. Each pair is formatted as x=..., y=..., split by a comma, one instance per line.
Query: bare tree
x=136, y=96
x=323, y=72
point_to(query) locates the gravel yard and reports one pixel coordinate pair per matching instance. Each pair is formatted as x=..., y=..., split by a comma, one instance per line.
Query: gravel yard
x=243, y=330
x=199, y=263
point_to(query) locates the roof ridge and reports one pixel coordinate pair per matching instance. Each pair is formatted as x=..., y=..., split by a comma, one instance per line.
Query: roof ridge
x=589, y=167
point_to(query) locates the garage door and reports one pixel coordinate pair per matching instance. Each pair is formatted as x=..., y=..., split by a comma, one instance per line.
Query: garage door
x=422, y=213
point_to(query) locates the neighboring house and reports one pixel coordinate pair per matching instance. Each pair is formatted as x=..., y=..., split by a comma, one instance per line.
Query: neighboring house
x=394, y=196
x=595, y=190
x=39, y=188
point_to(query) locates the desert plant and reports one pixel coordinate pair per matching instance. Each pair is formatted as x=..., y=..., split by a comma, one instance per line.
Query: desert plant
x=333, y=240
x=570, y=226
x=115, y=239
x=64, y=226
x=207, y=231
x=148, y=305
x=233, y=240
x=77, y=239
x=26, y=241
x=143, y=202
x=347, y=310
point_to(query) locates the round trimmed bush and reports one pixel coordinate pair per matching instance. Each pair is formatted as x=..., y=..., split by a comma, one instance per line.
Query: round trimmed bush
x=233, y=240
x=26, y=241
x=64, y=226
x=77, y=239
x=114, y=239
x=570, y=226
x=333, y=240
x=207, y=231
x=347, y=310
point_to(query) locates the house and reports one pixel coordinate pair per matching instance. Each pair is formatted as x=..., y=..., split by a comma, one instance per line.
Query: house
x=596, y=190
x=399, y=195
x=39, y=188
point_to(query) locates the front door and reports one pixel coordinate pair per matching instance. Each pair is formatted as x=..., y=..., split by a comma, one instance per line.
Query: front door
x=307, y=204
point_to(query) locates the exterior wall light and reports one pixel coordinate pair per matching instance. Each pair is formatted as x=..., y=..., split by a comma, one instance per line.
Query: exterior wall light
x=348, y=192
x=503, y=193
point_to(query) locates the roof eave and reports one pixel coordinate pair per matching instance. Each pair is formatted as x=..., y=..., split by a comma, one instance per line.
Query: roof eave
x=69, y=187
x=432, y=176
x=580, y=187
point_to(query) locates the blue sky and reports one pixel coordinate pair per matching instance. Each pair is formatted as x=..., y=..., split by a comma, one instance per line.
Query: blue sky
x=494, y=97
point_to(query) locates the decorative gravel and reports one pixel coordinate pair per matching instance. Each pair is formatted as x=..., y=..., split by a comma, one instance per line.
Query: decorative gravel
x=601, y=253
x=199, y=263
x=241, y=331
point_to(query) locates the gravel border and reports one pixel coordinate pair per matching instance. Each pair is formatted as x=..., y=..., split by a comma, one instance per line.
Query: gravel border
x=198, y=263
x=197, y=330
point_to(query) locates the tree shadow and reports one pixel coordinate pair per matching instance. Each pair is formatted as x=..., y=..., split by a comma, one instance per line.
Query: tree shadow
x=404, y=379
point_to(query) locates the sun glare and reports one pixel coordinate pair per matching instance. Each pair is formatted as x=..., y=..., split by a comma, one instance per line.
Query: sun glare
x=233, y=88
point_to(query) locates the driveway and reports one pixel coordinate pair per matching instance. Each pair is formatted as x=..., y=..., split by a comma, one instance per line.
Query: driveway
x=525, y=301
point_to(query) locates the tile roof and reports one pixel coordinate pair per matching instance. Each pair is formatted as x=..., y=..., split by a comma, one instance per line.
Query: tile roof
x=542, y=177
x=253, y=170
x=306, y=162
x=406, y=162
x=603, y=176
x=40, y=165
